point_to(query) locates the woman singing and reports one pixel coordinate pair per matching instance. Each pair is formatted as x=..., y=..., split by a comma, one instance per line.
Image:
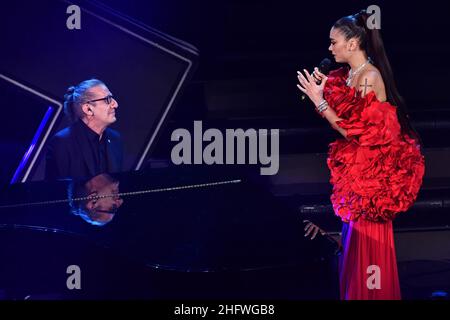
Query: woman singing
x=377, y=168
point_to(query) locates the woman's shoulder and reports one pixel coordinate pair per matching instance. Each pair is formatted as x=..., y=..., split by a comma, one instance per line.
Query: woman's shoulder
x=371, y=73
x=371, y=79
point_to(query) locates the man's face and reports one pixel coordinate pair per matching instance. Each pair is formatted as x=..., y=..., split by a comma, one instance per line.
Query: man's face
x=103, y=113
x=102, y=210
x=102, y=185
x=339, y=46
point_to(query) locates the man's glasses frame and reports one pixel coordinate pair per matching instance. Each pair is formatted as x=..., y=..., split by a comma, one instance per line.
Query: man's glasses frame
x=108, y=99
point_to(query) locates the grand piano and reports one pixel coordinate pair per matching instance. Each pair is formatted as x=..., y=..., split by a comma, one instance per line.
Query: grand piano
x=160, y=233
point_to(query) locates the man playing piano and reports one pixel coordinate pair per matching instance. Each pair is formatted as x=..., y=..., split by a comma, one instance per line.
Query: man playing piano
x=87, y=147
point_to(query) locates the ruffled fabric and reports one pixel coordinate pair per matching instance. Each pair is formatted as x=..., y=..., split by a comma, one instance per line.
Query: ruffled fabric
x=377, y=171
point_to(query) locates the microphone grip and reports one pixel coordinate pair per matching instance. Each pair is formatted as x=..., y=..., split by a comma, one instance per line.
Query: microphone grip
x=318, y=82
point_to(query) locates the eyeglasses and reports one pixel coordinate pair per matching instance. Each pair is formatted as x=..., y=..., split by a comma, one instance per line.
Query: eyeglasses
x=108, y=99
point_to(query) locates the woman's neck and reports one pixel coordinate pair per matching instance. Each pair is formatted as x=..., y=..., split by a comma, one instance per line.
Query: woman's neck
x=357, y=59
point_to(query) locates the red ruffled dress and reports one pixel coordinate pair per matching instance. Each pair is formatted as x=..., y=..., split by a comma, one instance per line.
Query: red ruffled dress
x=376, y=173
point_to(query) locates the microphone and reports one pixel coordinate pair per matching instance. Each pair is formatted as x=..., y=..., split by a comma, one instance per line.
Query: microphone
x=324, y=67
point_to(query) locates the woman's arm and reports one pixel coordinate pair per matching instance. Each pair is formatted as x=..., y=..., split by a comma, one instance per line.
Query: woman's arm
x=371, y=80
x=315, y=93
x=332, y=117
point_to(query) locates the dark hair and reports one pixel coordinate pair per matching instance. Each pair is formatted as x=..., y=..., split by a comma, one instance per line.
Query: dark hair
x=76, y=96
x=355, y=26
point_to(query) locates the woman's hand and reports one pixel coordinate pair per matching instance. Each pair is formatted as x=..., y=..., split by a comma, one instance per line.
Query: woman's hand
x=312, y=228
x=309, y=86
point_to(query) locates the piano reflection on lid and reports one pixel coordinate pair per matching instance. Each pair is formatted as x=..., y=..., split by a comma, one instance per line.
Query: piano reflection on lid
x=95, y=201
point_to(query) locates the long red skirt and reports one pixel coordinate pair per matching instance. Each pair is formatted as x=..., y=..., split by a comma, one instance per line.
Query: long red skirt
x=368, y=265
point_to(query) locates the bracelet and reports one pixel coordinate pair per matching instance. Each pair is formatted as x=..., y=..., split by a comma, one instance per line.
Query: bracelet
x=322, y=110
x=322, y=106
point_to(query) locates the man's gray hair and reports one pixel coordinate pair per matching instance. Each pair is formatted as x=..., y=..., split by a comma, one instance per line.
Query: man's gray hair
x=77, y=95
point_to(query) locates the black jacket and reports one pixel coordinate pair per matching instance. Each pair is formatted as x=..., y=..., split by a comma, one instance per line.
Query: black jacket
x=68, y=157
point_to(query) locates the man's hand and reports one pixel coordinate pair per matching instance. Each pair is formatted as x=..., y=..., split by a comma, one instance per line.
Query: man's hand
x=313, y=229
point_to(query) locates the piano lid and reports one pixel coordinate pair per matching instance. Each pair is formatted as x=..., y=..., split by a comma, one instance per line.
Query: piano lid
x=175, y=218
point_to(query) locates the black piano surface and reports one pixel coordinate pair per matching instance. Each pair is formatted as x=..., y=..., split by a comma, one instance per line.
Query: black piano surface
x=177, y=232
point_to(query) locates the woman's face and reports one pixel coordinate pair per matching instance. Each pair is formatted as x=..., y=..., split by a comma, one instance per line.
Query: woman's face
x=339, y=47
